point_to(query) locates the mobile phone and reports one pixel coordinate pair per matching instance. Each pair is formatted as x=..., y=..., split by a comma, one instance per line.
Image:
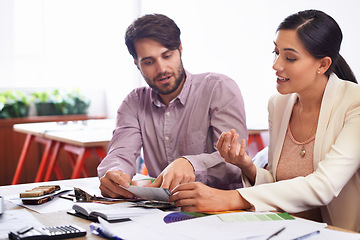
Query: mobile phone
x=56, y=232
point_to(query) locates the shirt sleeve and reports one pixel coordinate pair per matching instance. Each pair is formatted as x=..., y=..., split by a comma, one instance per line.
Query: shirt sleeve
x=125, y=145
x=226, y=112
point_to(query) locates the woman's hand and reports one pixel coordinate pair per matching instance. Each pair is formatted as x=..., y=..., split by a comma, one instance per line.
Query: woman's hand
x=197, y=197
x=235, y=153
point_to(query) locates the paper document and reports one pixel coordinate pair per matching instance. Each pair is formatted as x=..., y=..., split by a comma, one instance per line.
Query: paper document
x=56, y=204
x=329, y=234
x=13, y=220
x=132, y=230
x=150, y=193
x=212, y=227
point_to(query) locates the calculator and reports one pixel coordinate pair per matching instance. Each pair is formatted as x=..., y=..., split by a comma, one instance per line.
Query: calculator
x=56, y=232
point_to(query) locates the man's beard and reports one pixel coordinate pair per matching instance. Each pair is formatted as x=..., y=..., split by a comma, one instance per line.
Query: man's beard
x=165, y=90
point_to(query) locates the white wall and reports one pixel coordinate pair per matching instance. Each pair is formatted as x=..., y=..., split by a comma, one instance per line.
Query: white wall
x=236, y=38
x=80, y=43
x=67, y=44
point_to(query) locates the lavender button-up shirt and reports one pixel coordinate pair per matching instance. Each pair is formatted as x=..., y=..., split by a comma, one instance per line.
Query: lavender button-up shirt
x=189, y=127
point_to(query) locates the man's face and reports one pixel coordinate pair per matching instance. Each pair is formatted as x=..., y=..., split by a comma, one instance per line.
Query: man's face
x=161, y=68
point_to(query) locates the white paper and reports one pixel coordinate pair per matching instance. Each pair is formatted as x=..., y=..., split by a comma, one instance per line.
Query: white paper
x=329, y=234
x=150, y=193
x=132, y=230
x=212, y=227
x=54, y=205
x=13, y=220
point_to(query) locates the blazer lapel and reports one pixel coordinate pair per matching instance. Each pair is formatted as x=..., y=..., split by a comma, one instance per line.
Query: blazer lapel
x=324, y=117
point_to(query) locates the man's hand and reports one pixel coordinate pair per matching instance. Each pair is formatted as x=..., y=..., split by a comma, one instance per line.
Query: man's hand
x=197, y=197
x=111, y=182
x=179, y=171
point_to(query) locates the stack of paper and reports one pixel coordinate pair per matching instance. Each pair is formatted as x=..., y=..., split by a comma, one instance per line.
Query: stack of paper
x=213, y=227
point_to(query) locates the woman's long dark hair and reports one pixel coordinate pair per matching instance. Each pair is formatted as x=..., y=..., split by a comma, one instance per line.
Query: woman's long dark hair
x=322, y=37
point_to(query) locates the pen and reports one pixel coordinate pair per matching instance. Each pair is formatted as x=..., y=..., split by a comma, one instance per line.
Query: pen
x=307, y=235
x=100, y=231
x=68, y=197
x=276, y=233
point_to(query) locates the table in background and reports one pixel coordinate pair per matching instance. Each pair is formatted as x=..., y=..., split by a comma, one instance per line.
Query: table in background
x=255, y=137
x=258, y=138
x=80, y=138
x=11, y=144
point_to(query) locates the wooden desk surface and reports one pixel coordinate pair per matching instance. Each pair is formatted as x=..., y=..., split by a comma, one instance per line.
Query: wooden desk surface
x=87, y=133
x=55, y=218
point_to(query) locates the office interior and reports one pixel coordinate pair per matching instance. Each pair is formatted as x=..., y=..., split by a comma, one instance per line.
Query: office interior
x=79, y=44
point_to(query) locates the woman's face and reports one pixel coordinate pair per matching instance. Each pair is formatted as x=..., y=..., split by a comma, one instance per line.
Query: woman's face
x=296, y=69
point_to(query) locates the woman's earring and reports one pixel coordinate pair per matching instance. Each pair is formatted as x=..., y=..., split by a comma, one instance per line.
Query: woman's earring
x=319, y=72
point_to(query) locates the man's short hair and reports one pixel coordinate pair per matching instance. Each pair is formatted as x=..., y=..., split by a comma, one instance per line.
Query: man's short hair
x=157, y=27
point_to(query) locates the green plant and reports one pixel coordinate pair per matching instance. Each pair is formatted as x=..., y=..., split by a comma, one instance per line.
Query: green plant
x=13, y=104
x=60, y=102
x=75, y=103
x=47, y=96
x=47, y=102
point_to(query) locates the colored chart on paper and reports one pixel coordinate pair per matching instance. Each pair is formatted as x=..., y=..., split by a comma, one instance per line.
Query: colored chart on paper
x=181, y=216
x=247, y=217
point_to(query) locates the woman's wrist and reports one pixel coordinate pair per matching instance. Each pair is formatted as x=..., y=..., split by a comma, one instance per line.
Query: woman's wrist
x=250, y=173
x=237, y=202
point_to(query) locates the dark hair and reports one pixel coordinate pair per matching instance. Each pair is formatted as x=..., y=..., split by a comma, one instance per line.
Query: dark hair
x=154, y=26
x=322, y=37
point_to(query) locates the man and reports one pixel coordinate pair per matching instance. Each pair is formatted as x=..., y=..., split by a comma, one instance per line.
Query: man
x=177, y=121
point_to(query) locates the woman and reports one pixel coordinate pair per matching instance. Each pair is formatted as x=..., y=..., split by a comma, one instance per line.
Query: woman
x=314, y=127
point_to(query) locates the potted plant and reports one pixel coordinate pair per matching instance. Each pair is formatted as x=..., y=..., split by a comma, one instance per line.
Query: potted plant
x=60, y=102
x=74, y=103
x=13, y=104
x=47, y=103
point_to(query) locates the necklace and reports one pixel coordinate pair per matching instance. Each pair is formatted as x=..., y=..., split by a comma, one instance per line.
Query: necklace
x=303, y=151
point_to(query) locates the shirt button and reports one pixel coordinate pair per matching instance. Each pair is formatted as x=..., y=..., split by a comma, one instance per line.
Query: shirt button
x=166, y=138
x=167, y=113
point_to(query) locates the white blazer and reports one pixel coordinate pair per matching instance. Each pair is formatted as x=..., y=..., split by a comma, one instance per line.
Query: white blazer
x=335, y=183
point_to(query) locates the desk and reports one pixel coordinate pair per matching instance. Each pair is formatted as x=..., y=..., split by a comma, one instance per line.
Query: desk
x=60, y=217
x=80, y=138
x=48, y=219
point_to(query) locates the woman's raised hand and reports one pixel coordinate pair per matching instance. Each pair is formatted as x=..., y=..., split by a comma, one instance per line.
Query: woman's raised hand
x=235, y=153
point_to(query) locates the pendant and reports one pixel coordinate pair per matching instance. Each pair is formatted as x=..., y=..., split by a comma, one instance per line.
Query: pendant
x=302, y=152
